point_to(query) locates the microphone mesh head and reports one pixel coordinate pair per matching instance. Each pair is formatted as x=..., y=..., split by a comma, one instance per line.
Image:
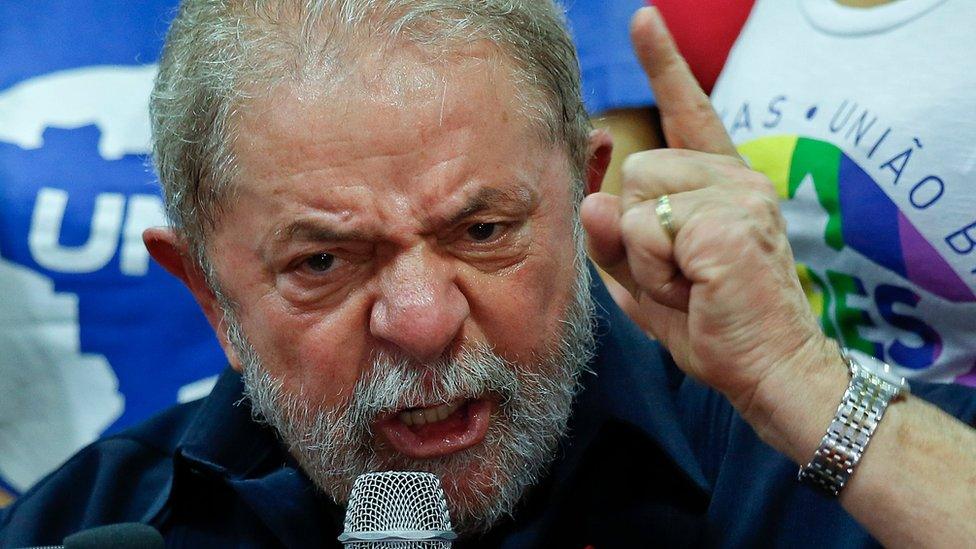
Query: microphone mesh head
x=397, y=510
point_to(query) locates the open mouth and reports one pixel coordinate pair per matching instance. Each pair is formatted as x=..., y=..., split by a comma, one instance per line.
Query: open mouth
x=437, y=430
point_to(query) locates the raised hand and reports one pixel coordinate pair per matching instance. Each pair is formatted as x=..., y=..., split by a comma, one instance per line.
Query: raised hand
x=720, y=290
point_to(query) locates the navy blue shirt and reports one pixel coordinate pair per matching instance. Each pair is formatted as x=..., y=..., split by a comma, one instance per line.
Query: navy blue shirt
x=652, y=457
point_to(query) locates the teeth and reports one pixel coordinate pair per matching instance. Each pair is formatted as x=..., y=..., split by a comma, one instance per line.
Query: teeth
x=423, y=416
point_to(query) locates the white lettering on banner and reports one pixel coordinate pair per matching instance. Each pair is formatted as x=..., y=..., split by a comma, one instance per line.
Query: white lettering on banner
x=115, y=98
x=95, y=253
x=141, y=212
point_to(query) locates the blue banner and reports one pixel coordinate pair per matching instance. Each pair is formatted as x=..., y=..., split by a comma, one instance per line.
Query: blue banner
x=93, y=335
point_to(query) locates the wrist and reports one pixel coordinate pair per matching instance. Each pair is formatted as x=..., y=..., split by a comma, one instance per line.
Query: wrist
x=793, y=403
x=872, y=387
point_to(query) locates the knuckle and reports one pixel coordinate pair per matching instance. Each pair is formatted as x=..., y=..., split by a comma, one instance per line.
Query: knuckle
x=701, y=107
x=633, y=163
x=754, y=205
x=729, y=161
x=638, y=227
x=634, y=168
x=760, y=207
x=633, y=221
x=749, y=218
x=683, y=154
x=748, y=238
x=763, y=184
x=755, y=181
x=766, y=237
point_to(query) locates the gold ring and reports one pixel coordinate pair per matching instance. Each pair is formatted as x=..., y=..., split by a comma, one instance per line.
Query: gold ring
x=665, y=216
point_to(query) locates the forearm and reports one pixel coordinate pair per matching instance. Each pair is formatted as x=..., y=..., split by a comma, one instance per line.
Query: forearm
x=916, y=482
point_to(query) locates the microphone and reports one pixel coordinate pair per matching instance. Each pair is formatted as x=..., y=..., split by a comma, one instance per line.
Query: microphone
x=125, y=535
x=397, y=510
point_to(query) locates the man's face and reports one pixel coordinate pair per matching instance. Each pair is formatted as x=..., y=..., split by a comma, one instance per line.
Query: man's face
x=401, y=260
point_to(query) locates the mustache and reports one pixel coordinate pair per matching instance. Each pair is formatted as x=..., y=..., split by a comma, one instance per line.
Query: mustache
x=394, y=383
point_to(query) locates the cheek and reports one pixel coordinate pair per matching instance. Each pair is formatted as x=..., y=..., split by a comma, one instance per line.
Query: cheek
x=521, y=312
x=319, y=355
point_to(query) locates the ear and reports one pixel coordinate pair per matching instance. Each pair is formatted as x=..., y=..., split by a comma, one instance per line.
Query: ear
x=598, y=153
x=173, y=254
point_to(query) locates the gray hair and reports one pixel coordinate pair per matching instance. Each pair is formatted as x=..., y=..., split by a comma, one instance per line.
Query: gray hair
x=218, y=52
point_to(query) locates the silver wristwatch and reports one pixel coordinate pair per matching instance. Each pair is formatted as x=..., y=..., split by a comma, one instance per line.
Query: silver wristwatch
x=873, y=385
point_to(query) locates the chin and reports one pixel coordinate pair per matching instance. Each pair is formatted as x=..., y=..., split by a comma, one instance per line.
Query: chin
x=479, y=489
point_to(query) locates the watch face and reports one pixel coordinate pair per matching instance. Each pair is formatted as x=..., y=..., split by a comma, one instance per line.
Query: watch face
x=876, y=367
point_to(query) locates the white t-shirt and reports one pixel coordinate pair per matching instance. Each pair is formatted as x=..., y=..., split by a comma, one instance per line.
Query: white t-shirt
x=865, y=120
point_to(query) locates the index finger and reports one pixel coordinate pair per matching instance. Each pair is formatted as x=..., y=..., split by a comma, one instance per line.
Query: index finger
x=687, y=116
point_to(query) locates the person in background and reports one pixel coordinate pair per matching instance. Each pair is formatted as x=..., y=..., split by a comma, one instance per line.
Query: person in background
x=615, y=90
x=859, y=111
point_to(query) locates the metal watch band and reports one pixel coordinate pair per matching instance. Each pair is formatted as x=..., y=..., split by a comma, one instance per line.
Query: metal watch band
x=864, y=404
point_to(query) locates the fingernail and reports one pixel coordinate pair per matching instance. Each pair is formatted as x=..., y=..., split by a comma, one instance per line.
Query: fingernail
x=655, y=16
x=652, y=14
x=651, y=11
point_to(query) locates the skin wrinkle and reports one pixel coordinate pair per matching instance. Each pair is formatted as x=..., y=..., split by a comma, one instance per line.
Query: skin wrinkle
x=404, y=186
x=440, y=121
x=518, y=201
x=334, y=447
x=522, y=199
x=264, y=46
x=321, y=228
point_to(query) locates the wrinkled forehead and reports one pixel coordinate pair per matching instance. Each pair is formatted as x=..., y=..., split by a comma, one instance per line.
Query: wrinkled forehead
x=406, y=75
x=402, y=122
x=406, y=93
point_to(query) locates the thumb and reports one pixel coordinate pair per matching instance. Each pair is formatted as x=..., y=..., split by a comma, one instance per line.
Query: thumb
x=600, y=215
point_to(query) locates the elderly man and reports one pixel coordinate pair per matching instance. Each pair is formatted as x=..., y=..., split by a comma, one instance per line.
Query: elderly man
x=378, y=204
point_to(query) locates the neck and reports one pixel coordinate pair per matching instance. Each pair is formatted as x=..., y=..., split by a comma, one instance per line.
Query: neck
x=863, y=3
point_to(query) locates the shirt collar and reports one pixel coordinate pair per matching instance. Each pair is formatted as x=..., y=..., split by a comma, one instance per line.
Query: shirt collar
x=225, y=441
x=223, y=437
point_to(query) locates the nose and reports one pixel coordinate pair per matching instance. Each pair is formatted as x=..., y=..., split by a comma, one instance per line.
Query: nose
x=420, y=308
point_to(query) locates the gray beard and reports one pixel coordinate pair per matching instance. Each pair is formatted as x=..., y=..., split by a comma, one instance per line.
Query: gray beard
x=482, y=483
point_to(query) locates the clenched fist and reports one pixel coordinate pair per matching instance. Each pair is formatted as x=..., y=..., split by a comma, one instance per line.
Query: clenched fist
x=720, y=288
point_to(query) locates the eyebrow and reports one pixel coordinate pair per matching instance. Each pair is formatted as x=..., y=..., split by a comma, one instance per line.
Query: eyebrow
x=521, y=198
x=314, y=231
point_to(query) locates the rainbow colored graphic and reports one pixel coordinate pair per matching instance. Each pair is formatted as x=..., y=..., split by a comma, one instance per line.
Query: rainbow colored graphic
x=860, y=214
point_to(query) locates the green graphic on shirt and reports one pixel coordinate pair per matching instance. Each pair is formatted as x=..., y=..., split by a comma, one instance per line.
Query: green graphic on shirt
x=821, y=161
x=851, y=318
x=859, y=217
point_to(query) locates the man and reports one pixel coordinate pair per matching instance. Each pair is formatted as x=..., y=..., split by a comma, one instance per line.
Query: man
x=377, y=205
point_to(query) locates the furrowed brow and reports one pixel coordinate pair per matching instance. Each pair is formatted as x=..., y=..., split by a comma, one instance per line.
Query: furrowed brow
x=312, y=231
x=518, y=199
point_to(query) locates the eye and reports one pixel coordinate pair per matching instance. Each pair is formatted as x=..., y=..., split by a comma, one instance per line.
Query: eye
x=482, y=231
x=320, y=263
